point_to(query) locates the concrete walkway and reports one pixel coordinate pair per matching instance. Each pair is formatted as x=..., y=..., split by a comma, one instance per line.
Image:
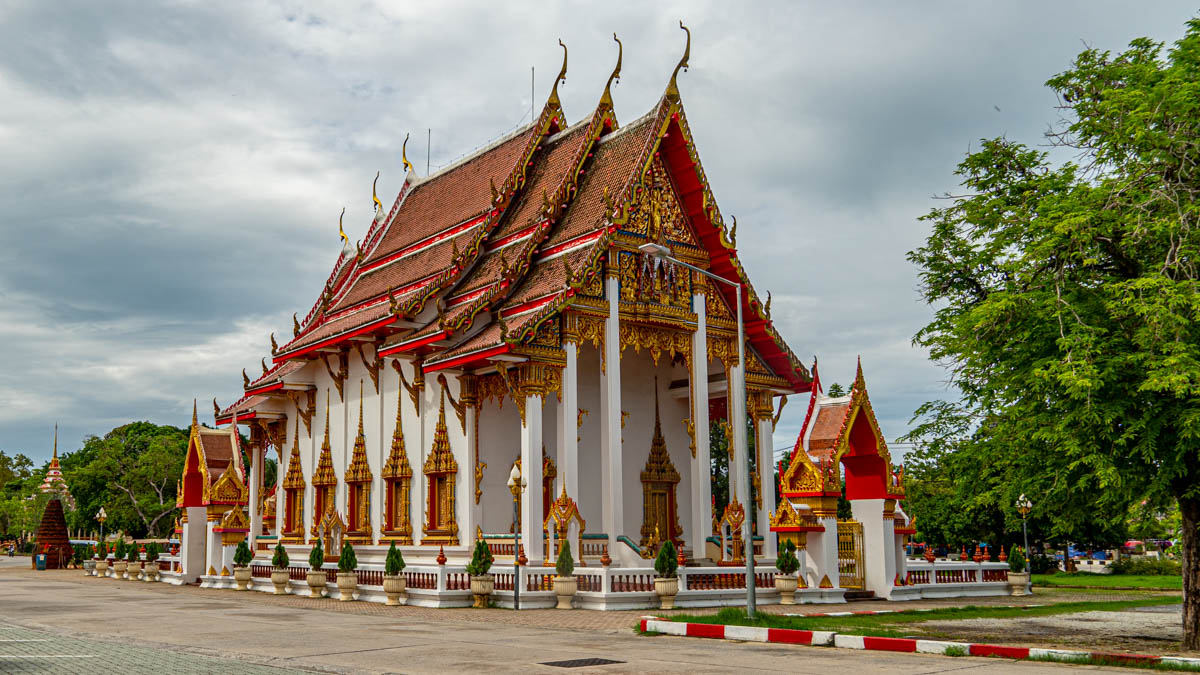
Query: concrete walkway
x=124, y=622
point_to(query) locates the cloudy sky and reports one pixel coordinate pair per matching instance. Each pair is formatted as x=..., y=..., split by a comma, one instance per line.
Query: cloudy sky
x=170, y=177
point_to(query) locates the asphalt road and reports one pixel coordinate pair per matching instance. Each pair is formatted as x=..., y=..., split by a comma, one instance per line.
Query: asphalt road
x=63, y=622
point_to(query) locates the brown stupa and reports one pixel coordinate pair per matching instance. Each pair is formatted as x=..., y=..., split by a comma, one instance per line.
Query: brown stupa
x=52, y=537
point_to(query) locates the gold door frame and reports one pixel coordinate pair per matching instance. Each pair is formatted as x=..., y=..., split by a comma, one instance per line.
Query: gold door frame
x=851, y=570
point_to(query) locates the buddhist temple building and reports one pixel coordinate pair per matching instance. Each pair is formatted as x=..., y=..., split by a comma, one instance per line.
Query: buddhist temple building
x=502, y=312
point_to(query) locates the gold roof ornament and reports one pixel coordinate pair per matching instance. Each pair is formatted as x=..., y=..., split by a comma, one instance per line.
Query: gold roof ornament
x=359, y=470
x=404, y=155
x=295, y=325
x=294, y=478
x=606, y=99
x=342, y=232
x=672, y=86
x=374, y=195
x=274, y=344
x=561, y=77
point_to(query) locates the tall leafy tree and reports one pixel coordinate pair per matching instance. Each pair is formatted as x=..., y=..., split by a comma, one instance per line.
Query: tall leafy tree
x=1069, y=295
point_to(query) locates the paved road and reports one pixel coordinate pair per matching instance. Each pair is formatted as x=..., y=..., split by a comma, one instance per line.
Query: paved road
x=94, y=625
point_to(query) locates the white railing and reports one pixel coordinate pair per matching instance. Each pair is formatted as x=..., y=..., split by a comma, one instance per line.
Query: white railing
x=921, y=572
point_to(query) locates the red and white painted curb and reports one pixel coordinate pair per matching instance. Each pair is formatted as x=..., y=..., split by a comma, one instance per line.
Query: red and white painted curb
x=821, y=638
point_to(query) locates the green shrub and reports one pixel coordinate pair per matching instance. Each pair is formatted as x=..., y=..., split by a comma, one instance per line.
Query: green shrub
x=347, y=561
x=316, y=557
x=152, y=551
x=394, y=563
x=131, y=553
x=77, y=552
x=666, y=563
x=101, y=551
x=1016, y=561
x=565, y=566
x=119, y=550
x=481, y=559
x=787, y=562
x=280, y=559
x=1146, y=567
x=243, y=555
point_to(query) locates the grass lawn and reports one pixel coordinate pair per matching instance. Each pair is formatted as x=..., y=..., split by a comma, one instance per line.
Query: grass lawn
x=893, y=624
x=1165, y=583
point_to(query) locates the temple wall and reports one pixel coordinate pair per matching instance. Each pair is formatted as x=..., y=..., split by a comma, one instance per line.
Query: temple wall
x=499, y=447
x=637, y=399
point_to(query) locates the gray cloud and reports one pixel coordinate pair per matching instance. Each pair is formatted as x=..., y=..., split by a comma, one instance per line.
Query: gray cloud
x=170, y=177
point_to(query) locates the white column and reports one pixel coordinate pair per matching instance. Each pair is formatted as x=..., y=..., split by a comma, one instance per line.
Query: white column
x=474, y=510
x=822, y=552
x=379, y=449
x=737, y=466
x=257, y=457
x=531, y=471
x=877, y=543
x=766, y=472
x=701, y=466
x=610, y=422
x=568, y=424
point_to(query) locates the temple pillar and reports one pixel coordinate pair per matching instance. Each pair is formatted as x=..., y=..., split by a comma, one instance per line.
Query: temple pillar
x=878, y=543
x=766, y=473
x=568, y=423
x=531, y=472
x=702, y=466
x=469, y=397
x=258, y=455
x=822, y=553
x=613, y=518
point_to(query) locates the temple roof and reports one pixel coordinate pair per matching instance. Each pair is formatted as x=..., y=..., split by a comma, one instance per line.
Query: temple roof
x=475, y=259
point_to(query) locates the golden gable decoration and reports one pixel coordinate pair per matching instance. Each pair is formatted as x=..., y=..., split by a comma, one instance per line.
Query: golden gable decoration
x=397, y=479
x=358, y=484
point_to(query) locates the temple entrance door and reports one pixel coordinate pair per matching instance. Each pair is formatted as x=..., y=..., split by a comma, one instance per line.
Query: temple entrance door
x=850, y=555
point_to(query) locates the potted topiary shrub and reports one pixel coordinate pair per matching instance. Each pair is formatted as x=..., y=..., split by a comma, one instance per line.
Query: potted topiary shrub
x=279, y=570
x=565, y=583
x=666, y=584
x=1018, y=573
x=101, y=560
x=786, y=582
x=89, y=560
x=134, y=569
x=119, y=561
x=482, y=583
x=316, y=575
x=241, y=565
x=347, y=580
x=393, y=580
x=151, y=570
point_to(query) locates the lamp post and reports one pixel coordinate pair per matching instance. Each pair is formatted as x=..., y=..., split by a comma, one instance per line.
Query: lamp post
x=1024, y=506
x=101, y=516
x=516, y=485
x=737, y=401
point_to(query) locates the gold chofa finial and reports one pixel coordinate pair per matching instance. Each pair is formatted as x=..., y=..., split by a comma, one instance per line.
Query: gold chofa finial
x=404, y=155
x=195, y=416
x=341, y=232
x=672, y=87
x=374, y=196
x=562, y=75
x=616, y=74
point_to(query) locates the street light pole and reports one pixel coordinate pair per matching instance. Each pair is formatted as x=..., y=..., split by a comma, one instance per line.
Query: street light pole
x=1025, y=506
x=516, y=485
x=737, y=402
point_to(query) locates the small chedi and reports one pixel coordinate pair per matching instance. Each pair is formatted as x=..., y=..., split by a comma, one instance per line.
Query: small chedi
x=52, y=537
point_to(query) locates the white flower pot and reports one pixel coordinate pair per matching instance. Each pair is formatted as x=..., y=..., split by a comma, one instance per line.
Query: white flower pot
x=280, y=578
x=1018, y=583
x=118, y=568
x=242, y=576
x=346, y=583
x=89, y=567
x=786, y=585
x=565, y=588
x=101, y=568
x=151, y=572
x=394, y=587
x=316, y=582
x=481, y=588
x=667, y=588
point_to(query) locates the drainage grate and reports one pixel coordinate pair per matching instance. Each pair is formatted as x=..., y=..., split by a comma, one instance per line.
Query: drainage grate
x=580, y=663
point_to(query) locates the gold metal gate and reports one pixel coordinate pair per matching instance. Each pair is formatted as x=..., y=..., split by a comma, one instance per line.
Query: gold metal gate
x=850, y=554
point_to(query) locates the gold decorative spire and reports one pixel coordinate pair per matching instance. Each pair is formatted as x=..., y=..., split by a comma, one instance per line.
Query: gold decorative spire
x=404, y=155
x=561, y=77
x=325, y=475
x=672, y=86
x=397, y=463
x=195, y=417
x=615, y=77
x=374, y=196
x=341, y=232
x=360, y=469
x=294, y=478
x=54, y=459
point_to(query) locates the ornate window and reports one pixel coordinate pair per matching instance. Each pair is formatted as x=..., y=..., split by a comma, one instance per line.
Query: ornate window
x=660, y=513
x=324, y=479
x=358, y=487
x=440, y=470
x=397, y=480
x=293, y=491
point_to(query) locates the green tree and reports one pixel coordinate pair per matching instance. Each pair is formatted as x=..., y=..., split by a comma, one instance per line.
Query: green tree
x=836, y=390
x=1069, y=296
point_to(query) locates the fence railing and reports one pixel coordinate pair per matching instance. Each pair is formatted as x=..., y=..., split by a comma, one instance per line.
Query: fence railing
x=955, y=572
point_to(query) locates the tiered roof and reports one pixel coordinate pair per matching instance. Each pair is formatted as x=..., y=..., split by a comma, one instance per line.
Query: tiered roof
x=54, y=481
x=472, y=261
